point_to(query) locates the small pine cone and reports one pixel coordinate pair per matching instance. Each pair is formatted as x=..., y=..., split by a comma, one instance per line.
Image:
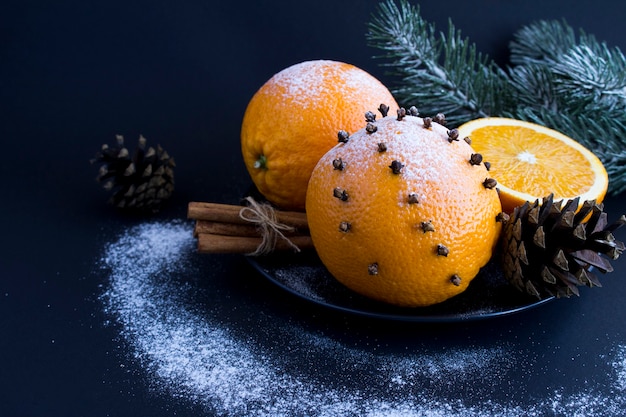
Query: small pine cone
x=549, y=248
x=141, y=181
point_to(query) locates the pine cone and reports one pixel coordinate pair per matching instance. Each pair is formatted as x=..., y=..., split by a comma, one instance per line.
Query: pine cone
x=141, y=182
x=549, y=248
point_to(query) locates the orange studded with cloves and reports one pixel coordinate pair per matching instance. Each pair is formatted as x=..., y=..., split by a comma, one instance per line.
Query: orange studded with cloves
x=409, y=222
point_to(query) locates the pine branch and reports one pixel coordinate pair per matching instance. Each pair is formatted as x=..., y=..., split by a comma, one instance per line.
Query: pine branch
x=583, y=73
x=541, y=42
x=559, y=78
x=576, y=85
x=533, y=87
x=596, y=78
x=437, y=72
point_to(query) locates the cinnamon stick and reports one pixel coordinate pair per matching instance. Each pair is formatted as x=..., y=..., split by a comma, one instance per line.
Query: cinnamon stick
x=225, y=229
x=229, y=213
x=232, y=229
x=210, y=243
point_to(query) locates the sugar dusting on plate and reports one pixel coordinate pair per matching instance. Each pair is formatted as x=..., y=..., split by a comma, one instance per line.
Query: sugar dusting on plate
x=190, y=351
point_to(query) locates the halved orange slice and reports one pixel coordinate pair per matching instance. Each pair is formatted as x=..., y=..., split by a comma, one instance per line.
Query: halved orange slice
x=531, y=161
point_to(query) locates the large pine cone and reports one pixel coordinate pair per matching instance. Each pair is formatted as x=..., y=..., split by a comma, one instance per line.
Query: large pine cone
x=141, y=181
x=550, y=248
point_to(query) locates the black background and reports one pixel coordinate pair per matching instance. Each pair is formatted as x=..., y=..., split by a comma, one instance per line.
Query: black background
x=74, y=73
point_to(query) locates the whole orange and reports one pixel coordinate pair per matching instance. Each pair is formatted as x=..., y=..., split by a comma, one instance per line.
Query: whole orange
x=403, y=212
x=293, y=119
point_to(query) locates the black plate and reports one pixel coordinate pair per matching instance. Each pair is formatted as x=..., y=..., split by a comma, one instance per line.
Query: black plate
x=303, y=275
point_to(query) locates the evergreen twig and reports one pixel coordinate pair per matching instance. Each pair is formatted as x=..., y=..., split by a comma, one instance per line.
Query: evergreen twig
x=558, y=78
x=437, y=72
x=576, y=85
x=584, y=73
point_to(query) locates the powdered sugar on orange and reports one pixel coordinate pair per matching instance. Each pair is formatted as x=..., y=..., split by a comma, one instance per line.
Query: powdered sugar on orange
x=303, y=83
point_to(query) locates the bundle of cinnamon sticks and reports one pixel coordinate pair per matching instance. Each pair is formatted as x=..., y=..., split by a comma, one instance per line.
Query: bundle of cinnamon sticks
x=254, y=229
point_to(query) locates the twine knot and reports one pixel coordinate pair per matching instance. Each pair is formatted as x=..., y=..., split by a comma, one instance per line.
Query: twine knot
x=264, y=217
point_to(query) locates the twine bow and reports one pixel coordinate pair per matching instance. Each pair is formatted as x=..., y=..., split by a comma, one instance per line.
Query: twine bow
x=264, y=217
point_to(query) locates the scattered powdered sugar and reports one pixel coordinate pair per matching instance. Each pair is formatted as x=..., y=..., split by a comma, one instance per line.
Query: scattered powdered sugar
x=304, y=283
x=192, y=351
x=619, y=365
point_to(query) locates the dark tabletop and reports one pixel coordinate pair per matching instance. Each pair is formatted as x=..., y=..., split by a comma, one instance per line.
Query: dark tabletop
x=98, y=319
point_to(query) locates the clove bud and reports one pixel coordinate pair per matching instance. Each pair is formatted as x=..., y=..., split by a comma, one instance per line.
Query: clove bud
x=338, y=164
x=370, y=116
x=345, y=227
x=343, y=136
x=396, y=166
x=370, y=128
x=427, y=226
x=442, y=250
x=453, y=135
x=476, y=159
x=490, y=183
x=383, y=109
x=340, y=194
x=440, y=118
x=455, y=280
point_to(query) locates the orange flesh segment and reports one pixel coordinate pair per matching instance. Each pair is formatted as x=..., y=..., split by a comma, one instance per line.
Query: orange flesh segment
x=526, y=161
